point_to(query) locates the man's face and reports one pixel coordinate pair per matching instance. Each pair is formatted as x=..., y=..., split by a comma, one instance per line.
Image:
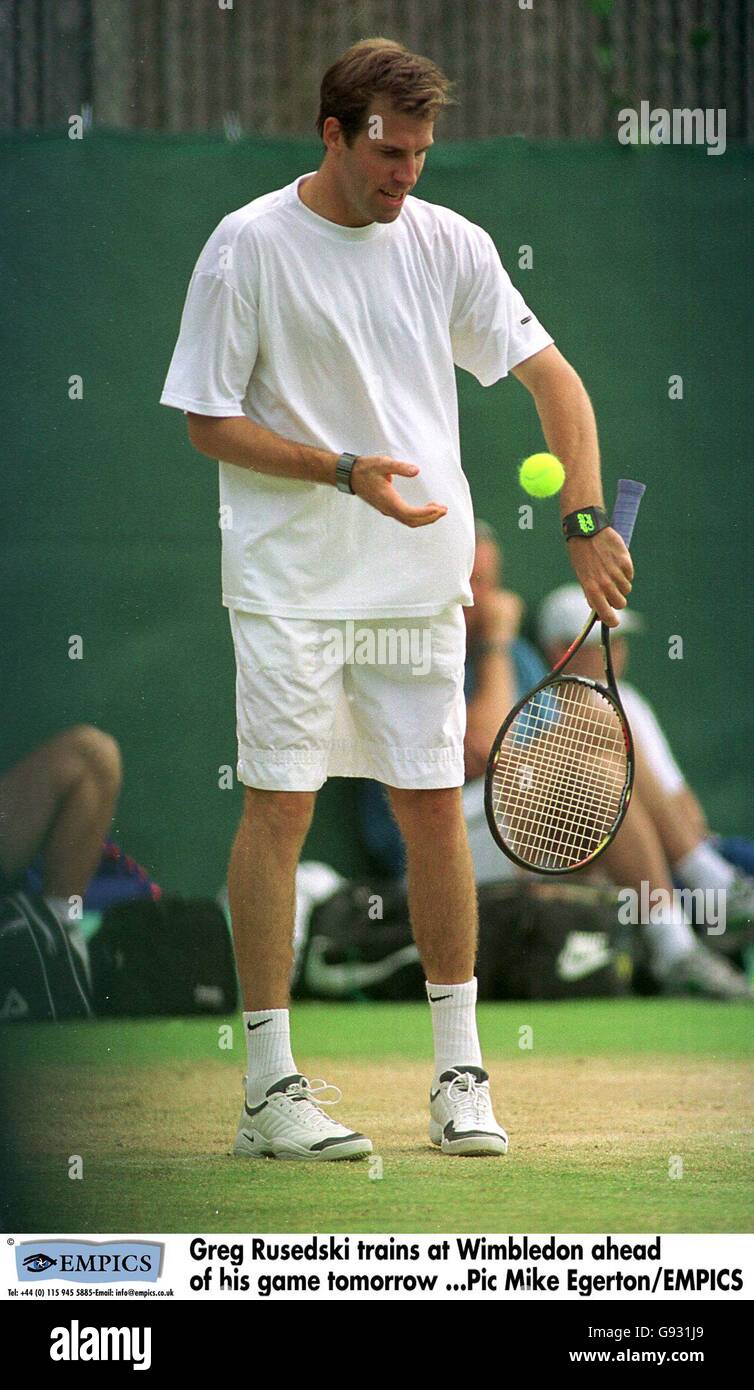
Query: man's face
x=485, y=576
x=588, y=661
x=381, y=166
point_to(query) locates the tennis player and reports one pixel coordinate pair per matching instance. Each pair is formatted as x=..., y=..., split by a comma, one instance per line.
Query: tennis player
x=316, y=361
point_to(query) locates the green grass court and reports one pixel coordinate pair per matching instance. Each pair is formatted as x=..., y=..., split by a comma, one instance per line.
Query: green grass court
x=611, y=1096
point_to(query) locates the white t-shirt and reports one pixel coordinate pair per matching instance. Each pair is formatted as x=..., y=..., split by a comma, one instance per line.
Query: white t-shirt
x=655, y=747
x=345, y=338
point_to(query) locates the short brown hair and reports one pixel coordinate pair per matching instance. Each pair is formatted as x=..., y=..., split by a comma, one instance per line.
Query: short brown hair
x=414, y=85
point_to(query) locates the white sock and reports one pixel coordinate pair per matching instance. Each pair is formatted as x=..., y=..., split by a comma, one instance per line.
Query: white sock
x=268, y=1043
x=61, y=907
x=453, y=1009
x=669, y=940
x=704, y=867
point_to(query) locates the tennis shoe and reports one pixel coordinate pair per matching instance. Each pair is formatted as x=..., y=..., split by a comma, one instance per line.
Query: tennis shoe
x=707, y=974
x=288, y=1121
x=739, y=903
x=461, y=1118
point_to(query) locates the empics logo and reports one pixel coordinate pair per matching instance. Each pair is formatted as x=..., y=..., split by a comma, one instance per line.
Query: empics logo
x=76, y=1343
x=87, y=1262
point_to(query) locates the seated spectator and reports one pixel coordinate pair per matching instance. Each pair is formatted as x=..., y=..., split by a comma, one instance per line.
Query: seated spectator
x=501, y=667
x=665, y=837
x=58, y=803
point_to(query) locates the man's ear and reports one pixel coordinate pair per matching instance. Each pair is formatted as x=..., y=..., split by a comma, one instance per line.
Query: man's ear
x=332, y=134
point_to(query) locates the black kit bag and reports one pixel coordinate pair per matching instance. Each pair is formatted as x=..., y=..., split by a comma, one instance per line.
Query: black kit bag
x=359, y=946
x=536, y=941
x=169, y=957
x=541, y=940
x=42, y=975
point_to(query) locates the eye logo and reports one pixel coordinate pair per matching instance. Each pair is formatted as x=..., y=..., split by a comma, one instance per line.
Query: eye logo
x=37, y=1264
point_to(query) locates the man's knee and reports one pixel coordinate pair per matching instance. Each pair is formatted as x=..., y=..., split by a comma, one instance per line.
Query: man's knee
x=79, y=752
x=99, y=754
x=288, y=814
x=433, y=807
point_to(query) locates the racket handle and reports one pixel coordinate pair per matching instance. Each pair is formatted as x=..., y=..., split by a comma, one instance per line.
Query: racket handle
x=626, y=508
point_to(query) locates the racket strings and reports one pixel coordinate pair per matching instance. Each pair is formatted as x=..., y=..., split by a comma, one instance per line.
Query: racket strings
x=560, y=777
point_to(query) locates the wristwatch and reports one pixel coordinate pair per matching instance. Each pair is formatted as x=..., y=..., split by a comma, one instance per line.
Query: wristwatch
x=343, y=473
x=586, y=522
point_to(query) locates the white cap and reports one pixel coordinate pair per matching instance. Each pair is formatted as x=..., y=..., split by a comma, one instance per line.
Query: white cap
x=564, y=612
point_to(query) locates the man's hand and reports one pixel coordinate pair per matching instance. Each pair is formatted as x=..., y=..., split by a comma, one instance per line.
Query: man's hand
x=499, y=614
x=604, y=570
x=372, y=481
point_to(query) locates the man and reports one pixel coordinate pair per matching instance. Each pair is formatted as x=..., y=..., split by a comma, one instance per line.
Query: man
x=665, y=823
x=57, y=803
x=664, y=836
x=315, y=360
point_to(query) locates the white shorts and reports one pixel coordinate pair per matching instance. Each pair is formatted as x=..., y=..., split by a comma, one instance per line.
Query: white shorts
x=320, y=697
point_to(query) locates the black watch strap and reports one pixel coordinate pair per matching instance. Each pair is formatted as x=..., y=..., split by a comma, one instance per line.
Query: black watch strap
x=586, y=522
x=343, y=470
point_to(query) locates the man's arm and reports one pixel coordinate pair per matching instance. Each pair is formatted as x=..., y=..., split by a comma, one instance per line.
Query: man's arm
x=602, y=563
x=238, y=440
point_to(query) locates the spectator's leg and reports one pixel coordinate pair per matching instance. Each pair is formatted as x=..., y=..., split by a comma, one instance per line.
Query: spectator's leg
x=683, y=832
x=676, y=959
x=636, y=854
x=60, y=800
x=677, y=817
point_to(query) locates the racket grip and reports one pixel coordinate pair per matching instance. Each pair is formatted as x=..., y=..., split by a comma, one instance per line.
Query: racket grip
x=626, y=508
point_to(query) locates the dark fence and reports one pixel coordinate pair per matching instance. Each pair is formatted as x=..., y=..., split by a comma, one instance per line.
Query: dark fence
x=561, y=68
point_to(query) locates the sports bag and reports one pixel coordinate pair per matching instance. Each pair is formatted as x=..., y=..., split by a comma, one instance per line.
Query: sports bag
x=536, y=941
x=551, y=941
x=41, y=974
x=173, y=956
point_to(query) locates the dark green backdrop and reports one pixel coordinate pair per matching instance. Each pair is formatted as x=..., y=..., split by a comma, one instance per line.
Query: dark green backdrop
x=640, y=266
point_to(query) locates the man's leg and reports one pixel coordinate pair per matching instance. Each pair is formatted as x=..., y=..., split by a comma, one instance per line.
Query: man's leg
x=693, y=858
x=441, y=888
x=444, y=919
x=279, y=1117
x=60, y=800
x=262, y=900
x=262, y=892
x=636, y=856
x=677, y=960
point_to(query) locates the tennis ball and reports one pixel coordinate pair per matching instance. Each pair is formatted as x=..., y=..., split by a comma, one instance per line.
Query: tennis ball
x=541, y=475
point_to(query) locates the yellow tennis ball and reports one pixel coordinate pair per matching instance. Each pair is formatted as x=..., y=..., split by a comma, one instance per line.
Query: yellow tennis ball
x=541, y=475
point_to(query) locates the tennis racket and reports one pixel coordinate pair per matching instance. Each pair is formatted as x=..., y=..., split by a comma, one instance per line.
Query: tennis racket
x=561, y=769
